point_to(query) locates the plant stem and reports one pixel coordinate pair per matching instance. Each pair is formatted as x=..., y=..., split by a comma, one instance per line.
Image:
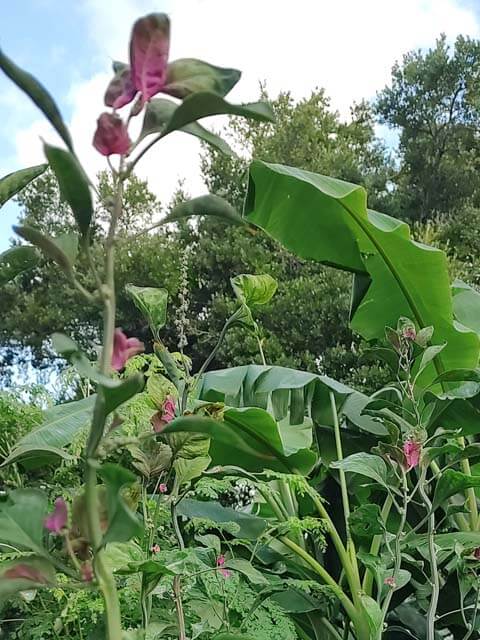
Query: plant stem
x=353, y=612
x=177, y=584
x=260, y=348
x=470, y=493
x=103, y=574
x=432, y=609
x=375, y=546
x=398, y=550
x=343, y=485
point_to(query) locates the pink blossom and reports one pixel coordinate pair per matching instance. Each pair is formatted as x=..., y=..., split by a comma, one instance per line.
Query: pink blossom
x=123, y=349
x=476, y=553
x=226, y=573
x=155, y=548
x=165, y=415
x=162, y=487
x=57, y=520
x=409, y=333
x=390, y=582
x=25, y=572
x=87, y=572
x=149, y=48
x=220, y=560
x=111, y=136
x=412, y=451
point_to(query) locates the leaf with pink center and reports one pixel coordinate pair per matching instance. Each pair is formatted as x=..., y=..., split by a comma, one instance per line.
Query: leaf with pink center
x=30, y=572
x=121, y=89
x=149, y=47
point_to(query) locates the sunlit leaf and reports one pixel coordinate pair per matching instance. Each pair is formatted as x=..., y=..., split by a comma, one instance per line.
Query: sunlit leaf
x=152, y=302
x=327, y=220
x=254, y=289
x=74, y=184
x=158, y=113
x=21, y=519
x=14, y=182
x=40, y=96
x=204, y=104
x=123, y=523
x=188, y=75
x=208, y=205
x=15, y=261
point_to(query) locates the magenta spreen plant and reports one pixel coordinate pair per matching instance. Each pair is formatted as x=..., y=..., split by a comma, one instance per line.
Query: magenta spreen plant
x=200, y=89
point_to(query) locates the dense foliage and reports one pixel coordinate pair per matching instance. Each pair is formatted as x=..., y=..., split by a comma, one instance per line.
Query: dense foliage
x=195, y=474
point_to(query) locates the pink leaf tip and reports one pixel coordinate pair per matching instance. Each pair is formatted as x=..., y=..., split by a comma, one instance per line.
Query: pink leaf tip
x=123, y=349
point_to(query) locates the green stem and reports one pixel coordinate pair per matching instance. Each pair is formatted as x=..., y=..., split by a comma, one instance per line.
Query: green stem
x=353, y=612
x=375, y=546
x=323, y=573
x=470, y=493
x=398, y=551
x=330, y=628
x=343, y=485
x=459, y=517
x=260, y=348
x=351, y=574
x=103, y=574
x=289, y=505
x=434, y=577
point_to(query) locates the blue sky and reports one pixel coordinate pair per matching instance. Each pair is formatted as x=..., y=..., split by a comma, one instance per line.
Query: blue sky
x=346, y=46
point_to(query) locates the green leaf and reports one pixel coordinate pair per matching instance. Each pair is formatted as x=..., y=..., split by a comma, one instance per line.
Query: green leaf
x=280, y=389
x=366, y=521
x=62, y=424
x=450, y=483
x=14, y=182
x=429, y=354
x=188, y=75
x=249, y=438
x=74, y=184
x=15, y=261
x=209, y=205
x=327, y=220
x=68, y=243
x=232, y=636
x=373, y=613
x=21, y=519
x=250, y=527
x=254, y=289
x=188, y=470
x=159, y=112
x=364, y=464
x=247, y=569
x=49, y=246
x=123, y=523
x=152, y=302
x=398, y=633
x=119, y=393
x=24, y=574
x=466, y=305
x=204, y=104
x=40, y=96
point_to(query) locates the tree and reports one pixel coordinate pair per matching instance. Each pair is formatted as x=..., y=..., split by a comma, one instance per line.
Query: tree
x=434, y=102
x=305, y=326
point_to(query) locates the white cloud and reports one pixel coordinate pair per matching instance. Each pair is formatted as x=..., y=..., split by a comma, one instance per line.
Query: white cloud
x=346, y=46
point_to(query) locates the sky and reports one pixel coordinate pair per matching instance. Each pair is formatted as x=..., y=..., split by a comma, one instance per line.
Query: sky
x=346, y=46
